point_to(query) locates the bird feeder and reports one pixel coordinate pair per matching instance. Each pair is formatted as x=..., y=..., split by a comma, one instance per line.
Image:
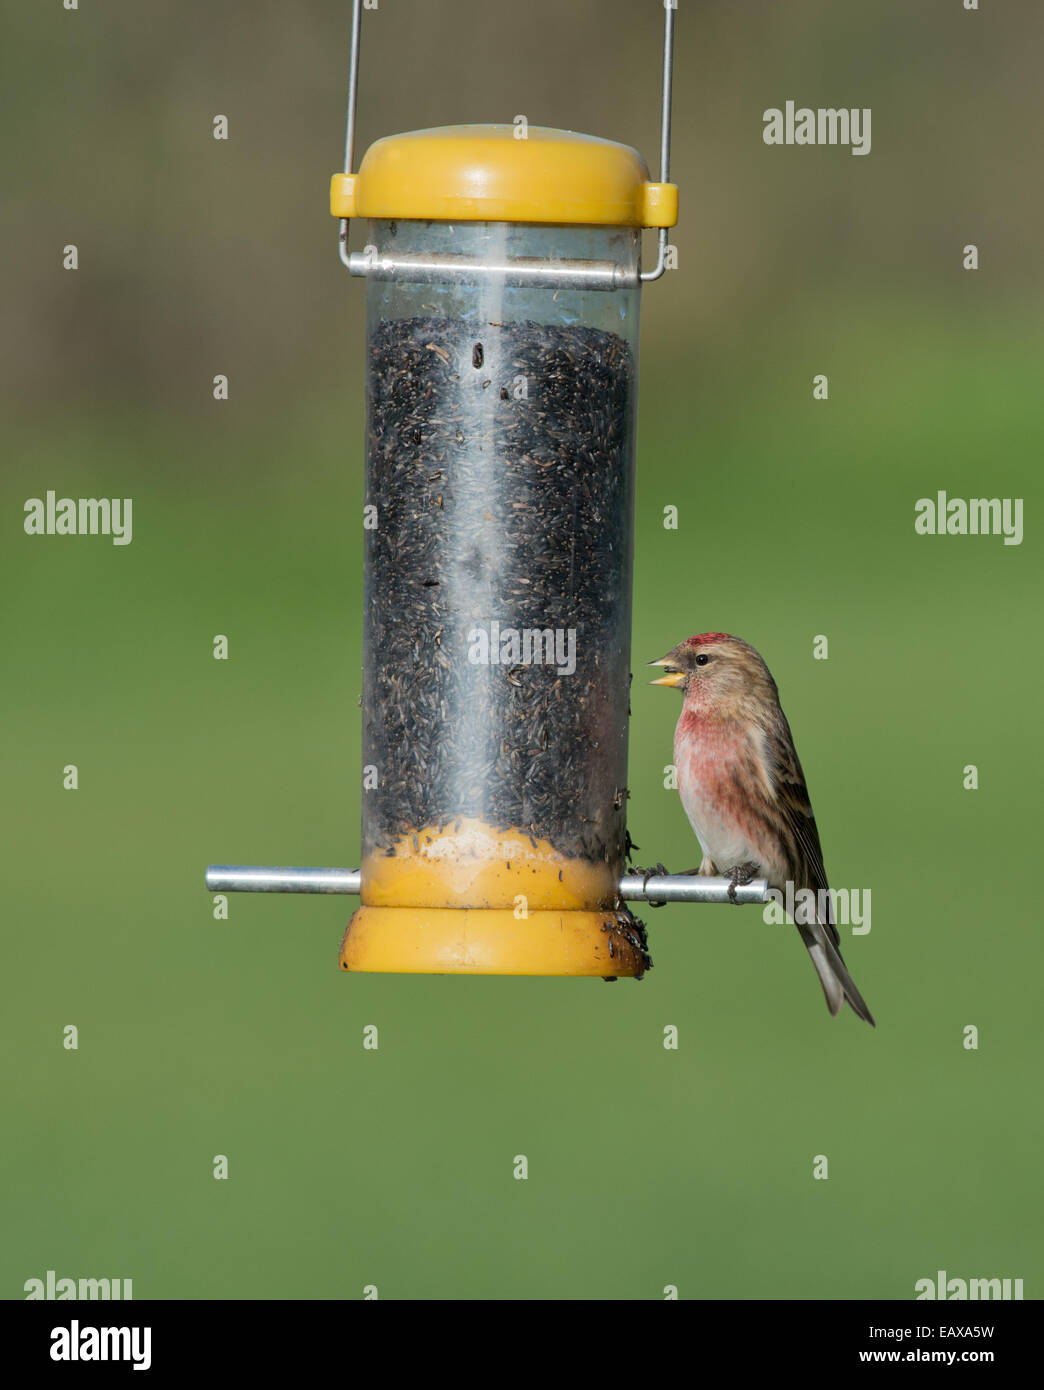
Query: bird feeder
x=504, y=271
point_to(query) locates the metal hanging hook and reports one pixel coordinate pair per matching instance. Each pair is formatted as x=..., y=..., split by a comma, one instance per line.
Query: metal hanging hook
x=349, y=134
x=607, y=276
x=669, y=7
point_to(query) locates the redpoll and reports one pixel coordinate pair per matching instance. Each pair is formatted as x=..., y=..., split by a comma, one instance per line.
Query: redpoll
x=744, y=792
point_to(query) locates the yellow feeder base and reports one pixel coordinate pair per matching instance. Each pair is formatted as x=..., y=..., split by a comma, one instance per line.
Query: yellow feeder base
x=470, y=864
x=491, y=941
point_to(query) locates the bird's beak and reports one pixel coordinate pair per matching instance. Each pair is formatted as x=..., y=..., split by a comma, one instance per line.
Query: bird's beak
x=672, y=677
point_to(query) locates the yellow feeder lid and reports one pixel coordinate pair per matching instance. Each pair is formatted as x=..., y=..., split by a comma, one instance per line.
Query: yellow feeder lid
x=483, y=173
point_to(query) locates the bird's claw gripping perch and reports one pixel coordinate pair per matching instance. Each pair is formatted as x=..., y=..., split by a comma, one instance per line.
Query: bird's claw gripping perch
x=647, y=874
x=742, y=873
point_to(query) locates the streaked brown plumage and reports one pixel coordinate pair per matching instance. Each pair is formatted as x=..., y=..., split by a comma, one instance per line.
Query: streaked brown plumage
x=744, y=791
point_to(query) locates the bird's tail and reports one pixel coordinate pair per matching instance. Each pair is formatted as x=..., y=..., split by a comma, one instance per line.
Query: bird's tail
x=837, y=983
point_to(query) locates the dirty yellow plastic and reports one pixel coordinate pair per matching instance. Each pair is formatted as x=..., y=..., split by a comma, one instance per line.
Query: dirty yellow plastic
x=486, y=173
x=471, y=899
x=489, y=941
x=470, y=864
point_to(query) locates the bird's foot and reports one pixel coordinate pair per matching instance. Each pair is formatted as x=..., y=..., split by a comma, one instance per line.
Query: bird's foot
x=742, y=873
x=647, y=874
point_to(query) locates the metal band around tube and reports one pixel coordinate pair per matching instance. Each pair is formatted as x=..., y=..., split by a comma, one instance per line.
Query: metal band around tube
x=518, y=271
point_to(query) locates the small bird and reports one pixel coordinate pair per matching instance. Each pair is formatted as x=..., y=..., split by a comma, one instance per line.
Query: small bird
x=744, y=792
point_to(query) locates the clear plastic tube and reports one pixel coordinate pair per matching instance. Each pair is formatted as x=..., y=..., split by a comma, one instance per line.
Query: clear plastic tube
x=499, y=525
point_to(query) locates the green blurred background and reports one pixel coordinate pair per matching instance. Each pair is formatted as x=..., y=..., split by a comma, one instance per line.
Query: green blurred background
x=198, y=1037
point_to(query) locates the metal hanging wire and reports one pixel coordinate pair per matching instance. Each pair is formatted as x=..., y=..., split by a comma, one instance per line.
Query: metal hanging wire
x=523, y=270
x=669, y=7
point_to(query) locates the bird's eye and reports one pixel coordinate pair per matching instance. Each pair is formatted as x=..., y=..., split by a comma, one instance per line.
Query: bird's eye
x=702, y=659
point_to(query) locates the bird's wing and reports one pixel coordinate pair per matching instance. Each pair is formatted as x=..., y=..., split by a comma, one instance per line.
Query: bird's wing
x=820, y=935
x=799, y=824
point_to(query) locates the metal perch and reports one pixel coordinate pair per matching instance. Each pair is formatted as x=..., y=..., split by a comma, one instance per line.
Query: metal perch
x=670, y=888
